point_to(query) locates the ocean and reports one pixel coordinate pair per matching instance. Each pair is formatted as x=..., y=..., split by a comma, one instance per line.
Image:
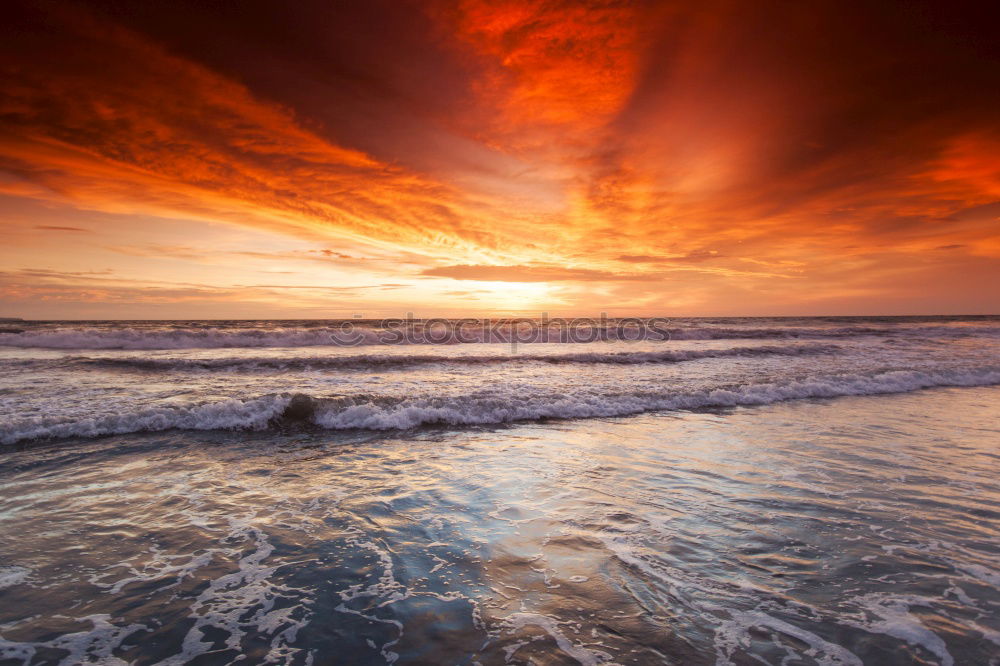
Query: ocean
x=688, y=491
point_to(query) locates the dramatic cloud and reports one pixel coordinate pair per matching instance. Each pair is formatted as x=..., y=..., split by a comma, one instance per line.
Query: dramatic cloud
x=692, y=158
x=129, y=127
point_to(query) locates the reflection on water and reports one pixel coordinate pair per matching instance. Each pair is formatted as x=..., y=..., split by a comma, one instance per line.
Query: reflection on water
x=860, y=530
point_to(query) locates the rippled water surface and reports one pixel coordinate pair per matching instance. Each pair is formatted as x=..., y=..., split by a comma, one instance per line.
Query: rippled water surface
x=828, y=498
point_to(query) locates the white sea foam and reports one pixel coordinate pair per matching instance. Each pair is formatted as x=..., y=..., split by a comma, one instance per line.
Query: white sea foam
x=161, y=567
x=245, y=601
x=93, y=646
x=11, y=576
x=584, y=655
x=369, y=412
x=371, y=415
x=733, y=635
x=225, y=414
x=384, y=590
x=894, y=619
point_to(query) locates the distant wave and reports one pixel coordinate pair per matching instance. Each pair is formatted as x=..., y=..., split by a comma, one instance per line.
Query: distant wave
x=204, y=337
x=388, y=361
x=167, y=338
x=794, y=332
x=373, y=412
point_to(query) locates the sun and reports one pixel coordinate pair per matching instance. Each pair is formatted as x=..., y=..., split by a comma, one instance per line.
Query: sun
x=514, y=296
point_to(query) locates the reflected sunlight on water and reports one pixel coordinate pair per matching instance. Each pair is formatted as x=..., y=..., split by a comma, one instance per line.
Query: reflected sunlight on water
x=861, y=530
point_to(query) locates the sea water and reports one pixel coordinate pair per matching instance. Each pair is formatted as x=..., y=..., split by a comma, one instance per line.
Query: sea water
x=745, y=491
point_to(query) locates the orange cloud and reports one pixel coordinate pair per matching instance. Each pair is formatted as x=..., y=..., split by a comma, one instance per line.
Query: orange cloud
x=552, y=63
x=131, y=128
x=689, y=154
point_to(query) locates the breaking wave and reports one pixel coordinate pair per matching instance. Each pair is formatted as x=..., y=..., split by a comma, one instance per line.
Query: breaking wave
x=374, y=412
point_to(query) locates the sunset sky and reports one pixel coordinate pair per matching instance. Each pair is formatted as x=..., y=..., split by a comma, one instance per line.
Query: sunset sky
x=471, y=157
